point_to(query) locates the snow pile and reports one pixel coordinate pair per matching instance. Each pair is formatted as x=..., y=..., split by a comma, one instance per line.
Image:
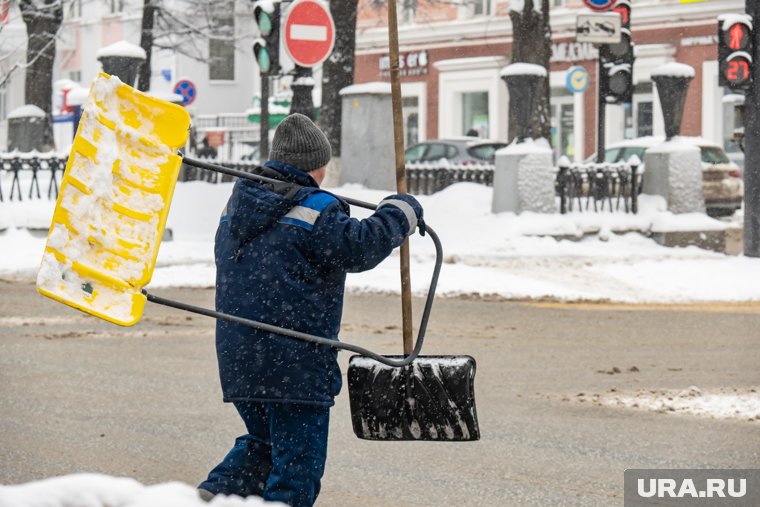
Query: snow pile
x=26, y=111
x=674, y=69
x=733, y=403
x=122, y=48
x=485, y=254
x=523, y=69
x=95, y=490
x=373, y=88
x=519, y=5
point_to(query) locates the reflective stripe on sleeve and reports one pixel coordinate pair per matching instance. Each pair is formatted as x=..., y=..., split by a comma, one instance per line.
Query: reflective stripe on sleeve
x=411, y=216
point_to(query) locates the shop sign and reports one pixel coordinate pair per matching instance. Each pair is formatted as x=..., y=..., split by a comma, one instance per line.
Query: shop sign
x=414, y=63
x=704, y=40
x=573, y=52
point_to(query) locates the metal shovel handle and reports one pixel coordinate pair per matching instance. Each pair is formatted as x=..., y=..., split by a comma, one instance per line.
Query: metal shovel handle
x=408, y=359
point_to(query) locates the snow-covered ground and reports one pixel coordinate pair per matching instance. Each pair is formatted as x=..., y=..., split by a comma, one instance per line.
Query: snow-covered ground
x=97, y=490
x=486, y=255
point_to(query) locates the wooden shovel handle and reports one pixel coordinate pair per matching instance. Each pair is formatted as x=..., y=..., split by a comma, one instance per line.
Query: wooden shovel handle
x=398, y=138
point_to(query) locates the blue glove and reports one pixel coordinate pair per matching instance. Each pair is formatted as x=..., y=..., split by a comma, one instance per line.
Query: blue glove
x=411, y=208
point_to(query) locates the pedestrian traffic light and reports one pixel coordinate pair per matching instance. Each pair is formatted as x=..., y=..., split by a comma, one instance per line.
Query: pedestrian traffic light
x=735, y=51
x=266, y=49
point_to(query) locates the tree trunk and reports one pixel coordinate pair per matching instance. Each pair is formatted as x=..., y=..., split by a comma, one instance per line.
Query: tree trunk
x=338, y=70
x=533, y=44
x=42, y=24
x=146, y=42
x=303, y=84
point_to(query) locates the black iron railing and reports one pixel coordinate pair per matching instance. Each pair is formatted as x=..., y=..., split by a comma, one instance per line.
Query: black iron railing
x=27, y=170
x=606, y=187
x=581, y=187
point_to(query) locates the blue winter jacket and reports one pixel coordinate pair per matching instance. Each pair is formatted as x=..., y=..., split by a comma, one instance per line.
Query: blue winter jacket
x=282, y=254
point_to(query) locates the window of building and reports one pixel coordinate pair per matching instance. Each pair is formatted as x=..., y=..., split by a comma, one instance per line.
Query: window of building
x=221, y=45
x=481, y=7
x=410, y=106
x=475, y=114
x=407, y=9
x=75, y=75
x=3, y=105
x=730, y=122
x=115, y=6
x=72, y=9
x=558, y=3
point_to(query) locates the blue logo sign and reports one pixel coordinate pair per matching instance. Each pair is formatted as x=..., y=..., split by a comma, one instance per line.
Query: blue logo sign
x=577, y=80
x=188, y=91
x=600, y=5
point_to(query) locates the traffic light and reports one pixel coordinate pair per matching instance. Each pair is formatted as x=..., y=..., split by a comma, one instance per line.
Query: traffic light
x=266, y=49
x=735, y=51
x=616, y=81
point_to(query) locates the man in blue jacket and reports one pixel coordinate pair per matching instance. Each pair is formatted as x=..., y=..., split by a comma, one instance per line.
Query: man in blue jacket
x=282, y=253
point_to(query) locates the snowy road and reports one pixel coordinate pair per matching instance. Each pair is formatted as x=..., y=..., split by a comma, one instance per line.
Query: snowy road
x=79, y=395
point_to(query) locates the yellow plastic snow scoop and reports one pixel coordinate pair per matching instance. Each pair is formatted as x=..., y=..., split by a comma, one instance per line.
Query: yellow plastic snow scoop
x=113, y=203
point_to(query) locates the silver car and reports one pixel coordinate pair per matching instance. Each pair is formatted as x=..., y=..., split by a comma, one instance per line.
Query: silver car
x=463, y=150
x=722, y=179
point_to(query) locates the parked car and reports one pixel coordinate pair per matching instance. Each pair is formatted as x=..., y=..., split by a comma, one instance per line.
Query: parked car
x=463, y=150
x=722, y=179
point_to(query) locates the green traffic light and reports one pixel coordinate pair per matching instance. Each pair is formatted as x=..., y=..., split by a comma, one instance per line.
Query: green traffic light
x=265, y=24
x=265, y=63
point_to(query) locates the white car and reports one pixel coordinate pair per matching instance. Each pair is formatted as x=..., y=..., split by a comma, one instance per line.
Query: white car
x=722, y=178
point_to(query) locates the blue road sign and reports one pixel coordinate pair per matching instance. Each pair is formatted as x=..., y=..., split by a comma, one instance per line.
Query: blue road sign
x=600, y=5
x=576, y=79
x=187, y=90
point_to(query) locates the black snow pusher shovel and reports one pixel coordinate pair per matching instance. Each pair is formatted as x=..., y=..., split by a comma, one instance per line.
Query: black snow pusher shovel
x=432, y=398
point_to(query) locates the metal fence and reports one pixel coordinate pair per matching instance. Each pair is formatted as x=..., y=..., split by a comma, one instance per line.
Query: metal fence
x=605, y=186
x=581, y=187
x=430, y=177
x=22, y=173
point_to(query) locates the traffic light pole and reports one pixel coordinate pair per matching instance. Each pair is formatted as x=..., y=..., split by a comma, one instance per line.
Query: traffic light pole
x=264, y=120
x=752, y=144
x=601, y=111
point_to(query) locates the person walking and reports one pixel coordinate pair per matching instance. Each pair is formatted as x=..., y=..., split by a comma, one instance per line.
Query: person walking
x=282, y=254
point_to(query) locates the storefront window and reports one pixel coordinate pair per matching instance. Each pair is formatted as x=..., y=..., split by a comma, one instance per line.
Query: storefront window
x=411, y=110
x=562, y=129
x=644, y=119
x=729, y=124
x=475, y=114
x=221, y=47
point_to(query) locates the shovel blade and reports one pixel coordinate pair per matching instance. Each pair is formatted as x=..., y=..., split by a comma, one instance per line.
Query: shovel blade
x=432, y=399
x=113, y=203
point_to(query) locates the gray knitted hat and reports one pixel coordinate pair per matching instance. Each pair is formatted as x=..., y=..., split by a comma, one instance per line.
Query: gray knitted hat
x=300, y=143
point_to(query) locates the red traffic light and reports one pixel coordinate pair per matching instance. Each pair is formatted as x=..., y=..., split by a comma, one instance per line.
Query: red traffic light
x=736, y=70
x=625, y=14
x=737, y=37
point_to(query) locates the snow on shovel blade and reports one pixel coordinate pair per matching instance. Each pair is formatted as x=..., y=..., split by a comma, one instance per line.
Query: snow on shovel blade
x=114, y=200
x=431, y=399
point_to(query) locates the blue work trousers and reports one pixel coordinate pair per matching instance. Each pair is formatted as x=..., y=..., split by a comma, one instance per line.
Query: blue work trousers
x=282, y=458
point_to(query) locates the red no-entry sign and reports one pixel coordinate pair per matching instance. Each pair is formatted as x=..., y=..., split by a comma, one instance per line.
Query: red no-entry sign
x=309, y=32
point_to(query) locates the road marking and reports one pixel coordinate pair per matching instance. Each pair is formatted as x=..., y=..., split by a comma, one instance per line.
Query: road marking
x=308, y=32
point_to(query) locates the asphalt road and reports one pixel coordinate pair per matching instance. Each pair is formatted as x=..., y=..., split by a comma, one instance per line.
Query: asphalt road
x=79, y=395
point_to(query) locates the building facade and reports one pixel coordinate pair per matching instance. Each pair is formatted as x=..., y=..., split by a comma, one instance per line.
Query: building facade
x=222, y=69
x=451, y=55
